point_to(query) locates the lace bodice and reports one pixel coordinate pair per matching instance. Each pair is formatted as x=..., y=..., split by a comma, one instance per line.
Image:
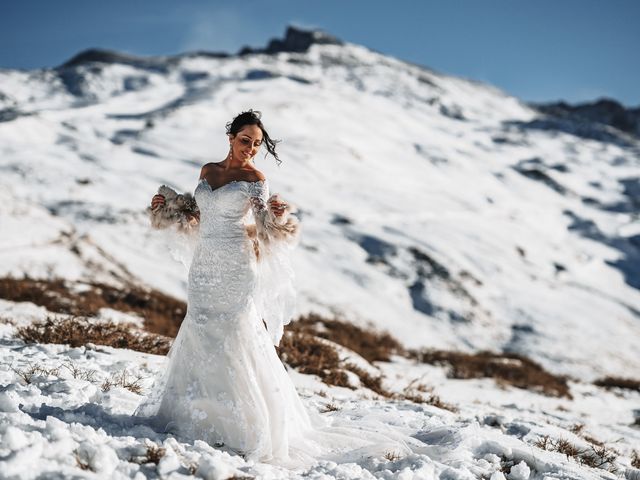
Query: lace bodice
x=224, y=211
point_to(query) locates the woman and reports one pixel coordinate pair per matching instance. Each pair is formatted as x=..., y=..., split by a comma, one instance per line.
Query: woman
x=224, y=382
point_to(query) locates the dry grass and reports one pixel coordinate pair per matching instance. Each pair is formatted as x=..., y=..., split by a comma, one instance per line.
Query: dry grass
x=79, y=331
x=122, y=380
x=392, y=456
x=315, y=356
x=311, y=355
x=427, y=399
x=35, y=370
x=594, y=456
x=509, y=368
x=329, y=407
x=80, y=373
x=162, y=314
x=593, y=440
x=41, y=370
x=578, y=429
x=153, y=455
x=635, y=459
x=505, y=368
x=302, y=347
x=618, y=382
x=373, y=383
x=369, y=344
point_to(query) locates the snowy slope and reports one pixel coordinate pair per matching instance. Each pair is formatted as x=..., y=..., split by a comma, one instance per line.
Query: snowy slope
x=438, y=208
x=430, y=207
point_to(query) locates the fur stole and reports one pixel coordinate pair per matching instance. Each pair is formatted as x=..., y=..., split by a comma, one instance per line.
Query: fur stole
x=179, y=209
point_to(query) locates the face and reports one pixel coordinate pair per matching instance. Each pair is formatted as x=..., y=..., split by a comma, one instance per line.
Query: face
x=246, y=143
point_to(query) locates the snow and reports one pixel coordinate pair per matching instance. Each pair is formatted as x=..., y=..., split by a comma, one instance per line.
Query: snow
x=415, y=221
x=60, y=418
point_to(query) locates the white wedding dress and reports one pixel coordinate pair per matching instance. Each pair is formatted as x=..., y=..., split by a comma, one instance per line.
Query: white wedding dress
x=224, y=382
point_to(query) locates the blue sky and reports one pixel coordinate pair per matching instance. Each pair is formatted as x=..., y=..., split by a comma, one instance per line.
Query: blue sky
x=542, y=50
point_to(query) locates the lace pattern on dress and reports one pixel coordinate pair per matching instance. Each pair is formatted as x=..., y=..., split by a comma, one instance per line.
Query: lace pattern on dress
x=276, y=295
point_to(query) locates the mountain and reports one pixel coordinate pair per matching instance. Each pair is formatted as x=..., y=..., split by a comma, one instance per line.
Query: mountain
x=601, y=112
x=437, y=208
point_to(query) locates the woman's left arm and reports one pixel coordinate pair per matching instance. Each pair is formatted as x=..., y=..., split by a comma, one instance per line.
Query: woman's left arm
x=276, y=232
x=275, y=219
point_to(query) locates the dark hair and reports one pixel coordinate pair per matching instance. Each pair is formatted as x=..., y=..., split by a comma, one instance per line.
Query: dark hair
x=252, y=117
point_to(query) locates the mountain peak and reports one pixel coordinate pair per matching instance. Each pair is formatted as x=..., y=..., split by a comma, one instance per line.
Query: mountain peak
x=296, y=39
x=101, y=55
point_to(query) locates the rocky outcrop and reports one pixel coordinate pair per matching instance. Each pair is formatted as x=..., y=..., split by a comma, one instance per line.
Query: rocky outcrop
x=604, y=111
x=295, y=40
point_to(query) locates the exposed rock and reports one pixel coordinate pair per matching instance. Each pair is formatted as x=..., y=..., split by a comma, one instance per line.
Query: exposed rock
x=604, y=111
x=295, y=40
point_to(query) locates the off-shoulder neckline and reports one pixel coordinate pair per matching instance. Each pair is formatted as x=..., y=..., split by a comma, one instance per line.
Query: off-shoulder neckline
x=229, y=183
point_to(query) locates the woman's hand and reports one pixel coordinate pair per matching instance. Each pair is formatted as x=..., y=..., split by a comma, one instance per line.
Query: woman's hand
x=193, y=219
x=157, y=201
x=278, y=208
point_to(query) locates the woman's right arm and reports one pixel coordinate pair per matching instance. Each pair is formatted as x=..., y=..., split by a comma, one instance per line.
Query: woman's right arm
x=169, y=208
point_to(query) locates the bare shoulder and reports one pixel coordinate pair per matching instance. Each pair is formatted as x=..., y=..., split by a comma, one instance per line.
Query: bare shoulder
x=259, y=176
x=209, y=168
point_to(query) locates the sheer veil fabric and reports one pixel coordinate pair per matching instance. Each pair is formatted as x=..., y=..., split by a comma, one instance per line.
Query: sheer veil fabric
x=223, y=382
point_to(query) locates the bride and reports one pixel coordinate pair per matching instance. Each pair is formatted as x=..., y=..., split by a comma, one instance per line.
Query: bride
x=224, y=382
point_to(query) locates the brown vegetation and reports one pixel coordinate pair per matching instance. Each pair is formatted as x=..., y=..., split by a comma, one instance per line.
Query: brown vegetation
x=304, y=347
x=420, y=393
x=369, y=344
x=618, y=382
x=79, y=331
x=510, y=368
x=162, y=314
x=392, y=456
x=121, y=380
x=373, y=383
x=79, y=373
x=635, y=459
x=116, y=380
x=316, y=356
x=594, y=456
x=578, y=429
x=329, y=407
x=153, y=455
x=505, y=368
x=35, y=370
x=311, y=355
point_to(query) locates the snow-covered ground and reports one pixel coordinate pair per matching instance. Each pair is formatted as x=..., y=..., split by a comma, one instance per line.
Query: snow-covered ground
x=433, y=207
x=62, y=424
